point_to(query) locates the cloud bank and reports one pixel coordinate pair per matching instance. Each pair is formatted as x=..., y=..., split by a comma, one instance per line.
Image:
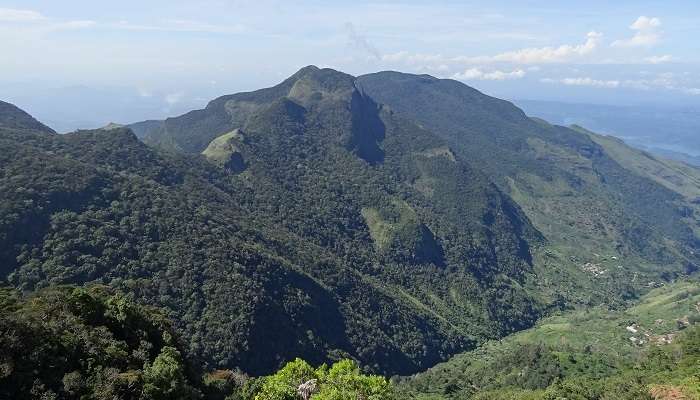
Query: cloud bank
x=647, y=33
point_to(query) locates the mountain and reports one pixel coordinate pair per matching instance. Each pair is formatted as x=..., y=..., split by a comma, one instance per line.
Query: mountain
x=587, y=201
x=392, y=219
x=317, y=223
x=12, y=117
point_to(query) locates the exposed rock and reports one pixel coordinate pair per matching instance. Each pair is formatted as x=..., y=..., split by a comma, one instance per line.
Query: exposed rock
x=307, y=389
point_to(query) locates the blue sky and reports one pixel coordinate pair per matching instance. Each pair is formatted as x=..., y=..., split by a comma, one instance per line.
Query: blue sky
x=185, y=52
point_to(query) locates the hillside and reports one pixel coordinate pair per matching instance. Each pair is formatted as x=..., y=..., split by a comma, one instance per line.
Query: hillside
x=592, y=203
x=347, y=232
x=674, y=175
x=73, y=343
x=586, y=354
x=12, y=117
x=664, y=130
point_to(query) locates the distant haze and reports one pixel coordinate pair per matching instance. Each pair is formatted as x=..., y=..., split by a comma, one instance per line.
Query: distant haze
x=79, y=64
x=668, y=131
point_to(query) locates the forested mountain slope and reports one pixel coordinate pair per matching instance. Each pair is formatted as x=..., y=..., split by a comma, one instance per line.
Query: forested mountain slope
x=12, y=117
x=339, y=230
x=591, y=204
x=674, y=175
x=311, y=220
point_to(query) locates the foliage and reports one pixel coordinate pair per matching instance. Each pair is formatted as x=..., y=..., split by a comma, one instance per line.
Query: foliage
x=343, y=381
x=581, y=355
x=74, y=343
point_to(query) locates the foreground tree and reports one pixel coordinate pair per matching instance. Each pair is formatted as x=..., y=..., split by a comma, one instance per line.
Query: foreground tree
x=342, y=381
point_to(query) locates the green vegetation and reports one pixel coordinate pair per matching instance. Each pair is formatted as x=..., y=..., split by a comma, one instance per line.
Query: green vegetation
x=309, y=220
x=585, y=354
x=224, y=152
x=587, y=195
x=78, y=343
x=73, y=343
x=278, y=257
x=396, y=230
x=341, y=381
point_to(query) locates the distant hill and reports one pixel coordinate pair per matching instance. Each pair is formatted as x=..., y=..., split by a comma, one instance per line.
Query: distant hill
x=670, y=132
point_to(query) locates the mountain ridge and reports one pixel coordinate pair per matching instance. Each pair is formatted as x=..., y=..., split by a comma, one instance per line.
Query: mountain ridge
x=330, y=217
x=351, y=232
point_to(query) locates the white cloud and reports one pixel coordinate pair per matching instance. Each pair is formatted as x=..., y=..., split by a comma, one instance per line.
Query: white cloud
x=666, y=80
x=143, y=92
x=185, y=25
x=647, y=33
x=496, y=75
x=659, y=59
x=586, y=81
x=540, y=55
x=15, y=15
x=28, y=21
x=536, y=55
x=645, y=23
x=663, y=81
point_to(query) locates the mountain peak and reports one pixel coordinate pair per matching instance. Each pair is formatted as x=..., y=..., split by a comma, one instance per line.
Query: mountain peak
x=13, y=117
x=309, y=69
x=312, y=85
x=326, y=78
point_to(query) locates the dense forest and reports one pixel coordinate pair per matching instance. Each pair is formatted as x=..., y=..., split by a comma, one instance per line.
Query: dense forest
x=78, y=343
x=325, y=230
